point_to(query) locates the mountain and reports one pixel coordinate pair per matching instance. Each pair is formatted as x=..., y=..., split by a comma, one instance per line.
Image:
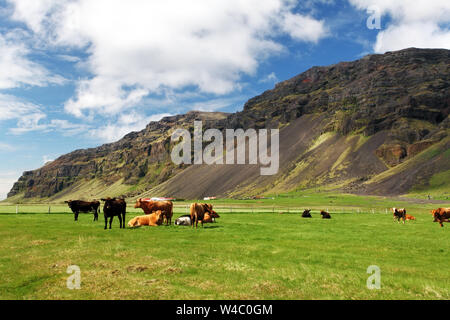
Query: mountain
x=378, y=125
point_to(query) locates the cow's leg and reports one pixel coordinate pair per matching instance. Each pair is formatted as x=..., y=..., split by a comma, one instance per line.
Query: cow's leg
x=106, y=221
x=120, y=221
x=123, y=219
x=76, y=216
x=110, y=221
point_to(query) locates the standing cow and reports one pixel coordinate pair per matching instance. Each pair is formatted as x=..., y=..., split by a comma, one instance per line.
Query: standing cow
x=399, y=214
x=441, y=215
x=114, y=207
x=78, y=206
x=198, y=212
x=150, y=206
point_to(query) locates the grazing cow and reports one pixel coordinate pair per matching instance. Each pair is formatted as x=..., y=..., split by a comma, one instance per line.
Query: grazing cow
x=399, y=214
x=325, y=215
x=114, y=207
x=154, y=219
x=198, y=211
x=409, y=217
x=306, y=214
x=441, y=215
x=149, y=206
x=78, y=206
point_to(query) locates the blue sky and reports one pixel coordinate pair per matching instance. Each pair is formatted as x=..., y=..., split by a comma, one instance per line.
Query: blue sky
x=80, y=73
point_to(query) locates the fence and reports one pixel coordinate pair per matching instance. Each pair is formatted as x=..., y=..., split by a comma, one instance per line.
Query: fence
x=184, y=209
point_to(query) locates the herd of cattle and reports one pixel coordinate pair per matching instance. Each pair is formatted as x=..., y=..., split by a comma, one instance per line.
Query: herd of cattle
x=161, y=212
x=156, y=212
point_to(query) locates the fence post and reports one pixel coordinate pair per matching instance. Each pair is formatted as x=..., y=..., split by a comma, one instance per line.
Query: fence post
x=49, y=209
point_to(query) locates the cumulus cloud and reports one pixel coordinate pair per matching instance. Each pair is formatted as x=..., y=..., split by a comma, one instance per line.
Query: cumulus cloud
x=125, y=123
x=142, y=47
x=17, y=69
x=7, y=179
x=421, y=23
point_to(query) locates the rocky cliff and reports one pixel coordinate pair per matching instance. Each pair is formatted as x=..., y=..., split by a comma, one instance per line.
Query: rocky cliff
x=376, y=125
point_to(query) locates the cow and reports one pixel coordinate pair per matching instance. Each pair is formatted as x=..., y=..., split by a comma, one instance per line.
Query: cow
x=399, y=214
x=409, y=217
x=441, y=215
x=154, y=219
x=149, y=206
x=306, y=214
x=325, y=215
x=78, y=206
x=198, y=211
x=183, y=220
x=114, y=207
x=186, y=219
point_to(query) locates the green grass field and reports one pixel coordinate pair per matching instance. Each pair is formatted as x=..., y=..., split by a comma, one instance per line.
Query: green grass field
x=244, y=256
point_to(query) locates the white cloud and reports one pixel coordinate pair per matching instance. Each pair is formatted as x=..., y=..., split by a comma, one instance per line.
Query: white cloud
x=7, y=180
x=5, y=147
x=126, y=123
x=17, y=69
x=47, y=158
x=270, y=78
x=139, y=47
x=421, y=23
x=304, y=28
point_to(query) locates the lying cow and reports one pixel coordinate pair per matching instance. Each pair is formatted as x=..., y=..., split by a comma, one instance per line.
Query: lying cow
x=183, y=220
x=186, y=219
x=78, y=206
x=306, y=214
x=441, y=215
x=198, y=211
x=399, y=214
x=409, y=217
x=154, y=219
x=150, y=206
x=114, y=207
x=325, y=215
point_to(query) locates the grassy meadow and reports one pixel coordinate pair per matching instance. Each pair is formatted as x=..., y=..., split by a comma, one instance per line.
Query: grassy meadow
x=250, y=253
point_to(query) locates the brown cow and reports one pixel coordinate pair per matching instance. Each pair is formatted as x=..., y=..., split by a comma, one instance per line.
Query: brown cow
x=409, y=217
x=441, y=215
x=154, y=219
x=399, y=214
x=325, y=215
x=149, y=206
x=198, y=211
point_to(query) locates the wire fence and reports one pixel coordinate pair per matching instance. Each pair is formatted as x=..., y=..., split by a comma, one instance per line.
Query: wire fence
x=181, y=209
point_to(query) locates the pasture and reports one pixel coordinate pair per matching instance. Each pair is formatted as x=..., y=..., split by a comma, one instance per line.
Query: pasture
x=247, y=254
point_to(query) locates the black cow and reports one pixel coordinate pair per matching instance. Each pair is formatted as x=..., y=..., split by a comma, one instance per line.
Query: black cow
x=325, y=215
x=114, y=207
x=78, y=206
x=306, y=214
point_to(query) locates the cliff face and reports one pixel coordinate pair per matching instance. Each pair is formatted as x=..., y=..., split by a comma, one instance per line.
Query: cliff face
x=356, y=126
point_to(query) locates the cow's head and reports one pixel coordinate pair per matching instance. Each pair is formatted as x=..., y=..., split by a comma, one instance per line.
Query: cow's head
x=138, y=203
x=207, y=207
x=133, y=222
x=159, y=216
x=108, y=202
